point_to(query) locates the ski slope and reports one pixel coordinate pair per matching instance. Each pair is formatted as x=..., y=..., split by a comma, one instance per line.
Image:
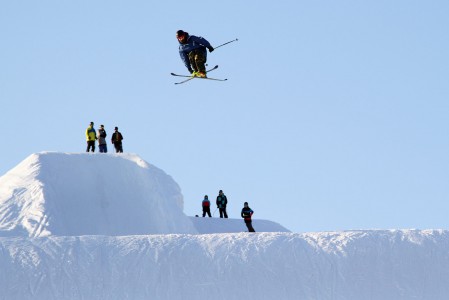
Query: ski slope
x=97, y=226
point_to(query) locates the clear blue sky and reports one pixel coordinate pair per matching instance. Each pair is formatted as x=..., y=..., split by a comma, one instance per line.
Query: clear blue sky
x=335, y=114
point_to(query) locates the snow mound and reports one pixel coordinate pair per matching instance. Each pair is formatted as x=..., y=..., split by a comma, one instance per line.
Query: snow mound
x=353, y=265
x=66, y=194
x=216, y=225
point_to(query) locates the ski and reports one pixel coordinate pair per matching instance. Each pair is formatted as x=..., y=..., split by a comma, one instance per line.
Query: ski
x=195, y=77
x=190, y=77
x=214, y=68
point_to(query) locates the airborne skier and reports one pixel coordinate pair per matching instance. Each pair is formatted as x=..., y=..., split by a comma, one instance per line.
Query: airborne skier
x=192, y=50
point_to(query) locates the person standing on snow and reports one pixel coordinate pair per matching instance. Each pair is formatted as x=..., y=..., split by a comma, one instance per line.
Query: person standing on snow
x=206, y=207
x=192, y=50
x=117, y=141
x=102, y=145
x=222, y=202
x=246, y=215
x=91, y=137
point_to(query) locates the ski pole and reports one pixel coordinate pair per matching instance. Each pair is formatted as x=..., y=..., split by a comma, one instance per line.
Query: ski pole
x=213, y=215
x=226, y=43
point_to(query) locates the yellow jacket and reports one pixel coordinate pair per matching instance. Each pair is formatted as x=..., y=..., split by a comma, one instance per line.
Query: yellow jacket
x=91, y=135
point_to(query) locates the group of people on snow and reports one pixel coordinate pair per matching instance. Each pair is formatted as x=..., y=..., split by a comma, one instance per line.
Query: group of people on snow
x=222, y=202
x=92, y=137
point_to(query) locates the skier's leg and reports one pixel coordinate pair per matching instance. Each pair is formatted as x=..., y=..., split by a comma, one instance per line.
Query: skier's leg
x=192, y=62
x=200, y=60
x=251, y=228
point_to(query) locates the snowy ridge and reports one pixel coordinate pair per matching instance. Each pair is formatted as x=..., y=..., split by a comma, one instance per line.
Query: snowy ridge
x=396, y=264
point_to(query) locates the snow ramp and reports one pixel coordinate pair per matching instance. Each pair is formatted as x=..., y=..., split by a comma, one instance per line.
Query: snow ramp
x=52, y=193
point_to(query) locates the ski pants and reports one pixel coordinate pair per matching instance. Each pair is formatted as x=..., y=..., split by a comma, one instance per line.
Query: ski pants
x=249, y=224
x=90, y=145
x=206, y=210
x=118, y=147
x=223, y=212
x=103, y=148
x=197, y=60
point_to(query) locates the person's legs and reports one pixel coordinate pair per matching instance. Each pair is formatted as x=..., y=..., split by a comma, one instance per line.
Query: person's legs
x=90, y=145
x=197, y=60
x=249, y=226
x=192, y=62
x=200, y=61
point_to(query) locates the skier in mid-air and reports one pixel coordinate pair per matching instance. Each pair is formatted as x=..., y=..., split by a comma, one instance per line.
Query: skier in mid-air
x=192, y=50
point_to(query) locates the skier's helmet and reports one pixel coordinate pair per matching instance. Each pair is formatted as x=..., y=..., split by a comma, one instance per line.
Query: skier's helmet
x=181, y=35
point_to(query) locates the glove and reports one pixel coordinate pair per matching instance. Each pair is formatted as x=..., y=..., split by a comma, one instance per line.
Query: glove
x=211, y=49
x=191, y=71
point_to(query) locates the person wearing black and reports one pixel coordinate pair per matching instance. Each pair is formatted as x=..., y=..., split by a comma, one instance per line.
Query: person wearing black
x=102, y=140
x=117, y=141
x=222, y=202
x=246, y=215
x=206, y=207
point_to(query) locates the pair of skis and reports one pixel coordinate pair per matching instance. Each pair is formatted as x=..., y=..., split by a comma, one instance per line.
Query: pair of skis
x=190, y=77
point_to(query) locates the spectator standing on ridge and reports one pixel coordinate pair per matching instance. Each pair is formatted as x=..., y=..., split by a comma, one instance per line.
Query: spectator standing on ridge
x=91, y=137
x=246, y=215
x=117, y=141
x=192, y=50
x=102, y=145
x=206, y=207
x=222, y=202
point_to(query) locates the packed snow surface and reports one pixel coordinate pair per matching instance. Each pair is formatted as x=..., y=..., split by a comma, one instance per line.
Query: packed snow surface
x=335, y=265
x=94, y=226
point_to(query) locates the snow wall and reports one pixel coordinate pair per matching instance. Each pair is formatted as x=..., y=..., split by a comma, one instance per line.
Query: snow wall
x=353, y=265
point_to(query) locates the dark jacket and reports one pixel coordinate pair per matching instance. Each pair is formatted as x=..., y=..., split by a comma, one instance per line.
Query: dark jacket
x=102, y=137
x=247, y=213
x=222, y=201
x=116, y=137
x=193, y=43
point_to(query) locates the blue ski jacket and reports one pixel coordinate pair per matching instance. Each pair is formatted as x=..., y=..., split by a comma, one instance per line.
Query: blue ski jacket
x=193, y=43
x=247, y=213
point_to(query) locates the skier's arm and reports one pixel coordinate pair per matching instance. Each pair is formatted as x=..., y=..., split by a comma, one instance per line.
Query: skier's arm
x=202, y=41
